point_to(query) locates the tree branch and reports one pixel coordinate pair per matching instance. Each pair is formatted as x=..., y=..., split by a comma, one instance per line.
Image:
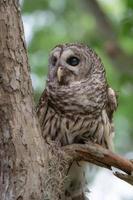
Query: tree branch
x=100, y=156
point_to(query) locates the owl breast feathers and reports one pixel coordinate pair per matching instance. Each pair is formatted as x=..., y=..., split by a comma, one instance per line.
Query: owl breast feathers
x=77, y=104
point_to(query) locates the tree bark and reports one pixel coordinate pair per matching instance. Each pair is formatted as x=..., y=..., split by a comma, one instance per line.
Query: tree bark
x=22, y=150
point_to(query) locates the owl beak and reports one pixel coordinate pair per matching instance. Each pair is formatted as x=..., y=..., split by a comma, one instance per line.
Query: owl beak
x=59, y=73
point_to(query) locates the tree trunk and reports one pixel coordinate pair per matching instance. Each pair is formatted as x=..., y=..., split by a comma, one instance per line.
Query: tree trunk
x=23, y=153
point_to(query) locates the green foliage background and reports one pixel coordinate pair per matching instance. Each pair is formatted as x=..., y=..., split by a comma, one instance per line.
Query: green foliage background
x=50, y=22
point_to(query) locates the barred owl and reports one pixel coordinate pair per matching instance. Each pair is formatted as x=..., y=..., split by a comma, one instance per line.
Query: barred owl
x=77, y=104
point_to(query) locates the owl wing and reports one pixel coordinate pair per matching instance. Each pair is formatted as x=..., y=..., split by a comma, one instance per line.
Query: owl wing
x=112, y=103
x=107, y=116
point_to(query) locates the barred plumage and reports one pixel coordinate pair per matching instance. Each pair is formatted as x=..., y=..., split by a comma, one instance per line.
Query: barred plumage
x=77, y=104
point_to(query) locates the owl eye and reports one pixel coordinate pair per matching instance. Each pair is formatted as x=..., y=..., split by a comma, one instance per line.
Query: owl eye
x=53, y=60
x=73, y=61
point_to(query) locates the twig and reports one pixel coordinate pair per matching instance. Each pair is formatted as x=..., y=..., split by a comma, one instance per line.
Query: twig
x=125, y=177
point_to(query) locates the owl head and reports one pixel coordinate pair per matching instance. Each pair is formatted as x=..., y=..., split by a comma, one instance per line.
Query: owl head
x=76, y=81
x=69, y=63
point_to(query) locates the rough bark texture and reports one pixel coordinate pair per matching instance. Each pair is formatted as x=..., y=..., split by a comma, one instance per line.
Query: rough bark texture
x=22, y=152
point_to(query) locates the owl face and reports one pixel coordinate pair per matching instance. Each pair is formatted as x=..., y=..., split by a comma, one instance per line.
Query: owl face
x=69, y=63
x=76, y=80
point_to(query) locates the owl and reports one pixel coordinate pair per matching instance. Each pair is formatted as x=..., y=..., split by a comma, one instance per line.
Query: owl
x=77, y=104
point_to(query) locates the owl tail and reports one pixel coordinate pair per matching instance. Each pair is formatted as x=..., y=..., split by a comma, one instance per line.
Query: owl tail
x=76, y=184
